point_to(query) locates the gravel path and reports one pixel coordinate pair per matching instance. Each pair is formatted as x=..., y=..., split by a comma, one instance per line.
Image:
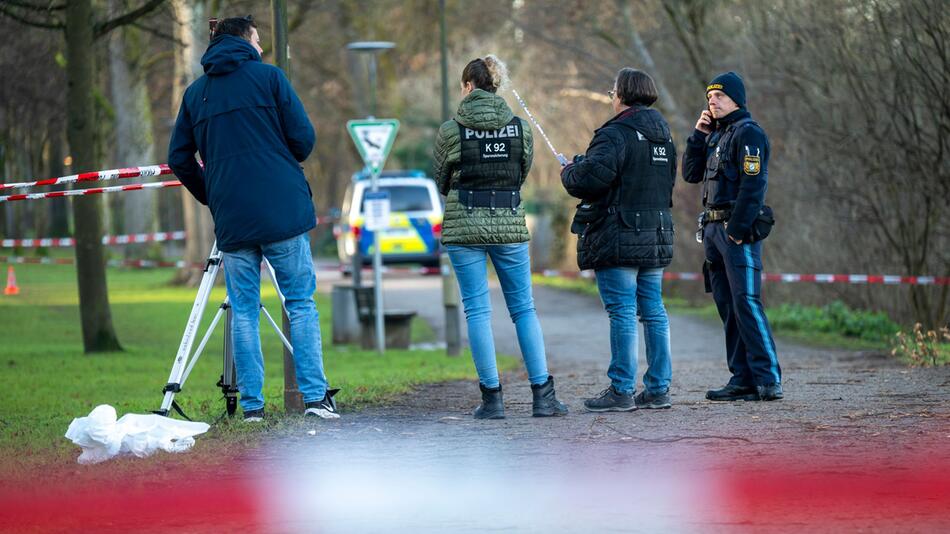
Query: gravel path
x=859, y=442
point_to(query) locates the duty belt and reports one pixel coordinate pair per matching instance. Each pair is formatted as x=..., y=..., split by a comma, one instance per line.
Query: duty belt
x=711, y=215
x=490, y=198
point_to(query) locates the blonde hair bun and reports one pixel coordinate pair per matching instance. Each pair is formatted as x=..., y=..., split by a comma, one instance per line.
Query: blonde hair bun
x=497, y=69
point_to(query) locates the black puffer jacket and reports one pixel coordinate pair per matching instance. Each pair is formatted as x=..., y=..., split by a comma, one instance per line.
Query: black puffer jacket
x=626, y=177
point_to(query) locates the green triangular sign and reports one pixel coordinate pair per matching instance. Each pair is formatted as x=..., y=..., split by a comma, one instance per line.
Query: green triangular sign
x=374, y=138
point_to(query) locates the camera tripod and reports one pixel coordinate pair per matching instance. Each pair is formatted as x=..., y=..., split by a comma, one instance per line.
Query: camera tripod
x=185, y=360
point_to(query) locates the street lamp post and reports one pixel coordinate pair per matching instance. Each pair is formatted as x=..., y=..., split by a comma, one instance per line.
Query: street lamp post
x=450, y=297
x=371, y=48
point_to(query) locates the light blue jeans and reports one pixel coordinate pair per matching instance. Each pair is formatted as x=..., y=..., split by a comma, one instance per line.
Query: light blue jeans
x=293, y=265
x=513, y=267
x=626, y=294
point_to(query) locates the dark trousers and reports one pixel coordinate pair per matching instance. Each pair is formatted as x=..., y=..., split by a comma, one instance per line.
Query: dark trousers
x=734, y=275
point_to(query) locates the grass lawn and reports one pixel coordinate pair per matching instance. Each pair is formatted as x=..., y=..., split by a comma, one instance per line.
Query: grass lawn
x=48, y=380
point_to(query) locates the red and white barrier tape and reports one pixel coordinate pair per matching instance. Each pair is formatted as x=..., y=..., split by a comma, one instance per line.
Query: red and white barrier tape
x=106, y=240
x=142, y=264
x=151, y=264
x=90, y=191
x=886, y=279
x=112, y=174
x=125, y=239
x=766, y=277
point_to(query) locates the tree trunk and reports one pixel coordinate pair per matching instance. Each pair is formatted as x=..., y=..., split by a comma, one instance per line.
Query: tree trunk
x=667, y=102
x=37, y=167
x=4, y=206
x=19, y=223
x=191, y=31
x=134, y=144
x=98, y=333
x=59, y=208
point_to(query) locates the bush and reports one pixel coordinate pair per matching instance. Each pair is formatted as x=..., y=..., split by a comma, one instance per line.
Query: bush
x=836, y=318
x=923, y=348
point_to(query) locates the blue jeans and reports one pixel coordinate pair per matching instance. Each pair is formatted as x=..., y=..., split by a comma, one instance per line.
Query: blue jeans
x=293, y=265
x=626, y=294
x=513, y=267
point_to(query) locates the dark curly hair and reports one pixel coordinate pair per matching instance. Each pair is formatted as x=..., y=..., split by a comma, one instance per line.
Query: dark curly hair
x=236, y=26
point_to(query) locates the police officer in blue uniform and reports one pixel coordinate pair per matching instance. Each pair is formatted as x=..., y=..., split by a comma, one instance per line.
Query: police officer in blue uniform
x=729, y=153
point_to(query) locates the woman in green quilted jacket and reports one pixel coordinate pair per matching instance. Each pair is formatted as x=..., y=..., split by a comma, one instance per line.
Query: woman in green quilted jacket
x=482, y=157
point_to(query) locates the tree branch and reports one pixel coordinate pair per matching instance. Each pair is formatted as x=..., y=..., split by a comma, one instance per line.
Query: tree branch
x=300, y=17
x=33, y=7
x=105, y=27
x=151, y=61
x=158, y=33
x=691, y=54
x=593, y=59
x=57, y=25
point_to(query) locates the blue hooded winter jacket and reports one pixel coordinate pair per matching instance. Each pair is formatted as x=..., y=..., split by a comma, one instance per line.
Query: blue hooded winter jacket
x=251, y=131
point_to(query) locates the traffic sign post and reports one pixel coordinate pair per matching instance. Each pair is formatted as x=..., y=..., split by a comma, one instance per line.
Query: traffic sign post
x=374, y=139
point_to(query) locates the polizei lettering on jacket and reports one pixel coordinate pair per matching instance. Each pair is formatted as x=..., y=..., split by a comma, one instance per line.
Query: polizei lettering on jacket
x=494, y=145
x=509, y=131
x=492, y=158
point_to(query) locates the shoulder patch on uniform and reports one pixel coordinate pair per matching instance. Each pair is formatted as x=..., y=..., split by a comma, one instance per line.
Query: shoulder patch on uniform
x=751, y=165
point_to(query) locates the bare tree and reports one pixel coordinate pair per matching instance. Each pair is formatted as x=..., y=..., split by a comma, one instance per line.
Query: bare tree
x=688, y=19
x=134, y=143
x=873, y=87
x=191, y=31
x=77, y=19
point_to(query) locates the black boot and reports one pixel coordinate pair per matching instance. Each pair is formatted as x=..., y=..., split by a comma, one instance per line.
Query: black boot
x=492, y=406
x=545, y=404
x=770, y=392
x=731, y=392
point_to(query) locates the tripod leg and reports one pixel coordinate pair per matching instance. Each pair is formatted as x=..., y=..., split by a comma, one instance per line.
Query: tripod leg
x=283, y=304
x=228, y=383
x=277, y=329
x=273, y=280
x=173, y=385
x=204, y=341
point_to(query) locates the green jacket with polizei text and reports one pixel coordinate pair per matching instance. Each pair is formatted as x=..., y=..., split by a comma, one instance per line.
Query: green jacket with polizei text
x=479, y=110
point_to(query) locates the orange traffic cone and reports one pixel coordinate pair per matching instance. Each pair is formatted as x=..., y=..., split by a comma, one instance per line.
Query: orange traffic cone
x=12, y=288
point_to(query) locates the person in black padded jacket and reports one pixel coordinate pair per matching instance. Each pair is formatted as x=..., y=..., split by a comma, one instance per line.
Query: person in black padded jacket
x=625, y=234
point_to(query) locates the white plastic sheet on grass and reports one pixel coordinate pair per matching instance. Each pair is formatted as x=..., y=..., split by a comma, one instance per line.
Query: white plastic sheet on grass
x=102, y=437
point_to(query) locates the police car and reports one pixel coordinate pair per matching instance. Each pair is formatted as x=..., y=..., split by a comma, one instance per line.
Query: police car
x=415, y=220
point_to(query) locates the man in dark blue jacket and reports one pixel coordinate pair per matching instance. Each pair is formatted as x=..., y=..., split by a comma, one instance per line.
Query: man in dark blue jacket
x=251, y=131
x=729, y=153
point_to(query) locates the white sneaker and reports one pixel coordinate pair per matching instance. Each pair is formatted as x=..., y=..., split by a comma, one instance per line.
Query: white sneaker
x=324, y=408
x=254, y=416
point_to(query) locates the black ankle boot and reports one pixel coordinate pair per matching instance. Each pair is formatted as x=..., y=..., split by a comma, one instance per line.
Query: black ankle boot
x=545, y=404
x=492, y=406
x=731, y=392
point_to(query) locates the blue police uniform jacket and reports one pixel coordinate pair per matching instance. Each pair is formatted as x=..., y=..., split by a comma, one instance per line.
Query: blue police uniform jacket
x=742, y=176
x=252, y=132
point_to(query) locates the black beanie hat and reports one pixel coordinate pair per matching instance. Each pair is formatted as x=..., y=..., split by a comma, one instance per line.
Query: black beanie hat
x=731, y=84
